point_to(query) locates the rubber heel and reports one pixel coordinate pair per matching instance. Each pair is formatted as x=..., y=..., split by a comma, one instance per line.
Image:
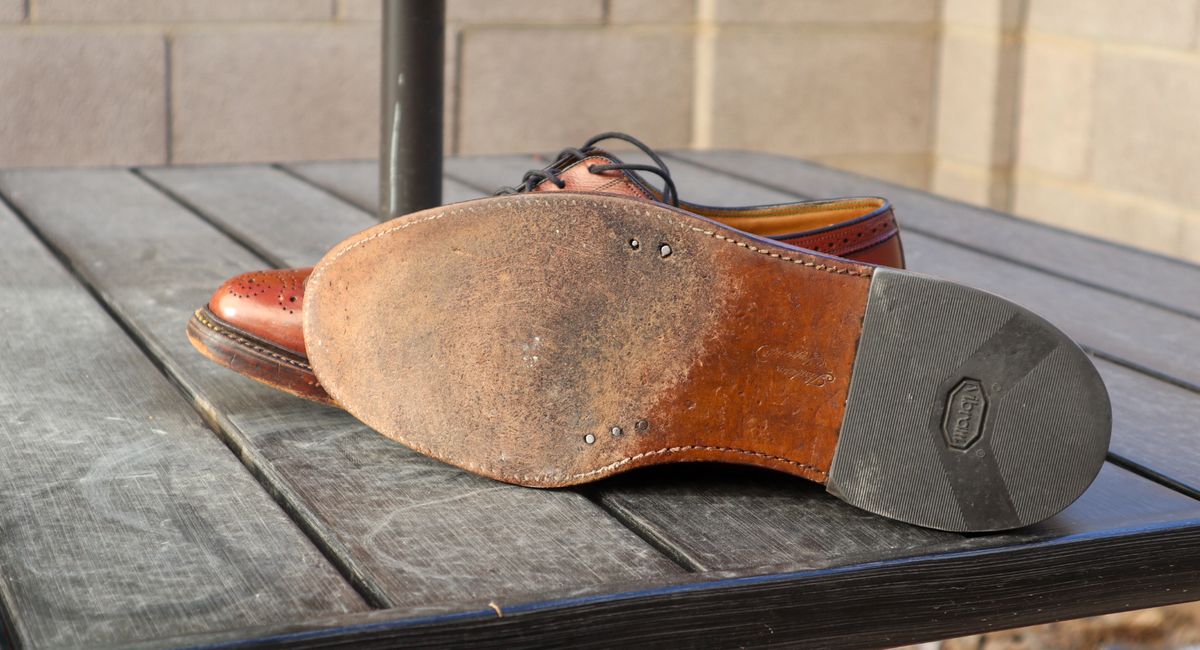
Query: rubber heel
x=966, y=412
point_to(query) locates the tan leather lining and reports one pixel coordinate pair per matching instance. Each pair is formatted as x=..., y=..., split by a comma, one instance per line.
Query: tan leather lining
x=765, y=221
x=786, y=219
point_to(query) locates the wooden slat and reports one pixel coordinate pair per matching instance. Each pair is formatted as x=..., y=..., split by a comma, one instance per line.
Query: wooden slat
x=1158, y=340
x=236, y=188
x=872, y=605
x=1155, y=425
x=1146, y=276
x=489, y=173
x=226, y=190
x=123, y=517
x=731, y=519
x=358, y=182
x=417, y=534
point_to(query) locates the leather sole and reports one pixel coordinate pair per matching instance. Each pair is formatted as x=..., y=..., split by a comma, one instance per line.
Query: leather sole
x=253, y=357
x=555, y=340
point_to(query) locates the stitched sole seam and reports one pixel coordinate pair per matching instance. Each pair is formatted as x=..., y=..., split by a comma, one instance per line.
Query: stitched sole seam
x=247, y=343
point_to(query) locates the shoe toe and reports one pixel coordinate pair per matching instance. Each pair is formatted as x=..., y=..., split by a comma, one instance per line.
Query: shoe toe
x=265, y=304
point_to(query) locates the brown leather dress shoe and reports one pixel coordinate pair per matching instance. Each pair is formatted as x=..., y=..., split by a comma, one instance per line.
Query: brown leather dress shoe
x=253, y=322
x=552, y=339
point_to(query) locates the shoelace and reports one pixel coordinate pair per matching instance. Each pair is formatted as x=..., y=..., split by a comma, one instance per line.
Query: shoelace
x=569, y=155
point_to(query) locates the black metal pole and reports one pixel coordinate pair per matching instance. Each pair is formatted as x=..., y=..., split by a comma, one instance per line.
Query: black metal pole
x=410, y=156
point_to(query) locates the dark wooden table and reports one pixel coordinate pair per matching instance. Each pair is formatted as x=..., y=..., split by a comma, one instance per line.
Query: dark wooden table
x=151, y=498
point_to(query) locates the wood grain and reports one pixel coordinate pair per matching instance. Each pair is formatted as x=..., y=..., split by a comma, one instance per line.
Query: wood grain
x=487, y=173
x=1117, y=268
x=1158, y=340
x=1155, y=426
x=413, y=532
x=358, y=182
x=123, y=517
x=866, y=605
x=222, y=190
x=730, y=519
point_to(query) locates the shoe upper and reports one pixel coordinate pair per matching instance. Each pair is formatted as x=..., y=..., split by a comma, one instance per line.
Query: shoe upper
x=862, y=229
x=265, y=304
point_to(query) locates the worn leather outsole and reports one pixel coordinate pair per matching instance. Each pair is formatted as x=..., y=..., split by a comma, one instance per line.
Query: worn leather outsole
x=557, y=339
x=250, y=355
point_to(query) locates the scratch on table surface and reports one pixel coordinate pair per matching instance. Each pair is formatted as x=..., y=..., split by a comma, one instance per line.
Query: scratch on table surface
x=457, y=497
x=387, y=521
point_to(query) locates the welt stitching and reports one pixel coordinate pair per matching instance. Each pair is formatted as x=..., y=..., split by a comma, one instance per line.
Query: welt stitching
x=828, y=268
x=487, y=469
x=248, y=343
x=659, y=452
x=668, y=450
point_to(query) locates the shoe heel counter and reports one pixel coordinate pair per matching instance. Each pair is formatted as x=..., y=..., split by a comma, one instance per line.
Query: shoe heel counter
x=887, y=249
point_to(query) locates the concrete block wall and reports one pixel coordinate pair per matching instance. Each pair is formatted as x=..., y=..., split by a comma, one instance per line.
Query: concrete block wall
x=1079, y=113
x=1075, y=112
x=978, y=71
x=115, y=82
x=1129, y=156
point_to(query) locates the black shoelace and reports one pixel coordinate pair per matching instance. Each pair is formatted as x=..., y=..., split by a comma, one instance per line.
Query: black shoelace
x=566, y=157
